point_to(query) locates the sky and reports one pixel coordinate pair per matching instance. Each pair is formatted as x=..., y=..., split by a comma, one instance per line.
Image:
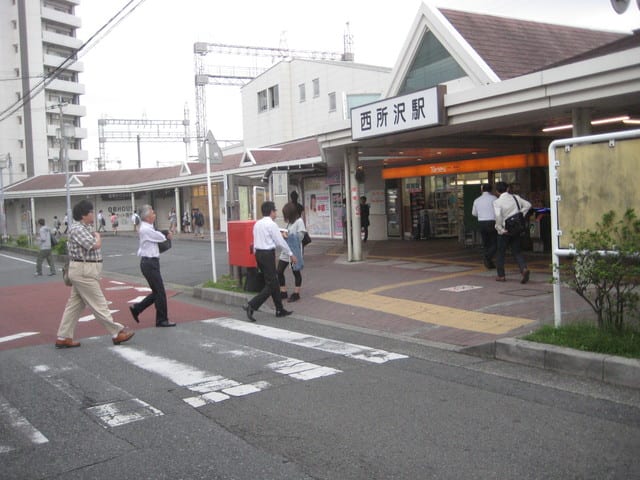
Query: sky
x=144, y=67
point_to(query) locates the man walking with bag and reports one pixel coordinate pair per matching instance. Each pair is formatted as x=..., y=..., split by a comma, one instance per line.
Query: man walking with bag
x=266, y=237
x=505, y=206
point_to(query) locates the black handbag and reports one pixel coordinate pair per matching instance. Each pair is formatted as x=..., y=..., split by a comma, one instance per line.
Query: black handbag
x=166, y=245
x=306, y=240
x=516, y=225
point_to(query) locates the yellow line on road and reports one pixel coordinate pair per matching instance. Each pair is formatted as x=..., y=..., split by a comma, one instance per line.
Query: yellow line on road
x=426, y=312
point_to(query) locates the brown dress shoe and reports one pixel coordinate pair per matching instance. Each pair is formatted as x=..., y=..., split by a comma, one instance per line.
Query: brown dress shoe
x=66, y=343
x=124, y=335
x=525, y=276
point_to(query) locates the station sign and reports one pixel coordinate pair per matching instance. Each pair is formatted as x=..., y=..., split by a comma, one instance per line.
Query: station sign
x=398, y=114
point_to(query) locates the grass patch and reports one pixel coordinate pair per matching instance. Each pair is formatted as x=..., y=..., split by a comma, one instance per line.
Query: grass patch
x=225, y=282
x=589, y=338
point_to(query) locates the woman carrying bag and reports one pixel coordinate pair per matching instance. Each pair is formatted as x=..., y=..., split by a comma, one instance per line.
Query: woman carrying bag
x=294, y=235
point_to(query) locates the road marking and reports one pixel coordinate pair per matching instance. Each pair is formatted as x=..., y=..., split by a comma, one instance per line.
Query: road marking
x=31, y=262
x=351, y=350
x=10, y=338
x=116, y=414
x=20, y=424
x=427, y=313
x=212, y=388
x=292, y=367
x=460, y=288
x=112, y=414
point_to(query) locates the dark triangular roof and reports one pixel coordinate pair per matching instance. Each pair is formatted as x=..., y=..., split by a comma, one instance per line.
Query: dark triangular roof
x=514, y=47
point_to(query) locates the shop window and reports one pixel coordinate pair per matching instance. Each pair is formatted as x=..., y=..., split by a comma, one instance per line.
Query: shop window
x=302, y=92
x=316, y=87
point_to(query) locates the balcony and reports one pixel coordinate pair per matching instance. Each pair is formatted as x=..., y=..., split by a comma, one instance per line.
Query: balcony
x=69, y=109
x=72, y=132
x=66, y=87
x=60, y=17
x=55, y=61
x=62, y=40
x=74, y=155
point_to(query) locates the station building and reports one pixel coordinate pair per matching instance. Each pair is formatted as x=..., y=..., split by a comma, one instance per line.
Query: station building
x=472, y=99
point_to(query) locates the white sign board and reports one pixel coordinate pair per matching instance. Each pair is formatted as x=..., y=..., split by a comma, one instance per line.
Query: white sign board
x=407, y=112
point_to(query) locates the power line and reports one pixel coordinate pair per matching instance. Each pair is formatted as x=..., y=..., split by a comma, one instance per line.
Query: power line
x=71, y=58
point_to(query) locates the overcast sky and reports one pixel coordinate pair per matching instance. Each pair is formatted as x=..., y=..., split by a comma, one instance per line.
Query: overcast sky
x=144, y=67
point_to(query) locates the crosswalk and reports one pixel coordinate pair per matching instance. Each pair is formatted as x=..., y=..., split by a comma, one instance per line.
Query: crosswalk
x=209, y=371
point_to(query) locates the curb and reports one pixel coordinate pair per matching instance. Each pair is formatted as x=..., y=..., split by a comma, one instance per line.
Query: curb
x=595, y=366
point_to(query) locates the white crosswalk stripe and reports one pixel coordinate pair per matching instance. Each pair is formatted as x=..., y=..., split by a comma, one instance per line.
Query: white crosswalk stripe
x=351, y=350
x=18, y=423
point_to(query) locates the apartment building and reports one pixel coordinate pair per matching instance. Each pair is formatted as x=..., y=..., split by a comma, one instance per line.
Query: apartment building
x=39, y=82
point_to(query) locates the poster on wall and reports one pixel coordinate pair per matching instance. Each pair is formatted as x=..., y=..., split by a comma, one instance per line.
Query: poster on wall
x=318, y=213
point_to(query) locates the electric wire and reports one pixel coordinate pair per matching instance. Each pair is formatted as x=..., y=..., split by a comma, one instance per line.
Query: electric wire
x=100, y=34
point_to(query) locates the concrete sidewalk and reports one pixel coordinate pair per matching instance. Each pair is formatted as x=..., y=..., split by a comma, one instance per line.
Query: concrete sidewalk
x=437, y=292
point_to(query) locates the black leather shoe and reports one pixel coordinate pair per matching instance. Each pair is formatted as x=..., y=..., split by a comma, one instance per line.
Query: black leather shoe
x=134, y=314
x=249, y=309
x=165, y=324
x=283, y=313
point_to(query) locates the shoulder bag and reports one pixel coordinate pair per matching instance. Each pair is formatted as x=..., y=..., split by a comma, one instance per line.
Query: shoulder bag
x=516, y=225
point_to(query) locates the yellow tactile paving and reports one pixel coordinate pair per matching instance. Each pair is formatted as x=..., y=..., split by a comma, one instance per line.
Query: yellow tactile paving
x=426, y=312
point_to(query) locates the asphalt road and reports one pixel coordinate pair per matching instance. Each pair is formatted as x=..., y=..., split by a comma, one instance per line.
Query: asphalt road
x=221, y=398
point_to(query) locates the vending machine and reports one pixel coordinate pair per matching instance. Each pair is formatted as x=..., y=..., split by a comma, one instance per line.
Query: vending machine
x=394, y=212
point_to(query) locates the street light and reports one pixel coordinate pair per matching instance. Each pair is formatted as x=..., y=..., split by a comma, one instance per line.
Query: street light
x=5, y=162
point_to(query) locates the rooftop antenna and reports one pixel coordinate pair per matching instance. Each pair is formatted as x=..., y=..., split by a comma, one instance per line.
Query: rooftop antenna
x=348, y=55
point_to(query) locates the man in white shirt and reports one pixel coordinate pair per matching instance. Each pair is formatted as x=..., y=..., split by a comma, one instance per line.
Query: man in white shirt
x=505, y=206
x=266, y=237
x=149, y=254
x=483, y=211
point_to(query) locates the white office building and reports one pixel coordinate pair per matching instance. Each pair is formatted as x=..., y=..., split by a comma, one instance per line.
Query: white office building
x=39, y=80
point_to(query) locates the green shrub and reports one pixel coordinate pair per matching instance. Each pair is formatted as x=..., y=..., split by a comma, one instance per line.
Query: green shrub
x=22, y=241
x=61, y=246
x=605, y=270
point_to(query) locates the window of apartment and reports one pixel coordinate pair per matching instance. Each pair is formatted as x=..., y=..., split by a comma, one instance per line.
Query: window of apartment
x=20, y=143
x=17, y=71
x=14, y=24
x=274, y=96
x=19, y=119
x=316, y=87
x=15, y=48
x=263, y=104
x=302, y=92
x=332, y=102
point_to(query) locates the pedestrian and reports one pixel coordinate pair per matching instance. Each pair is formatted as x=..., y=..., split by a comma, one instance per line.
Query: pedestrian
x=299, y=206
x=266, y=237
x=44, y=242
x=505, y=206
x=295, y=233
x=364, y=217
x=198, y=220
x=114, y=223
x=66, y=223
x=186, y=222
x=149, y=254
x=483, y=210
x=173, y=221
x=56, y=226
x=135, y=221
x=101, y=222
x=85, y=270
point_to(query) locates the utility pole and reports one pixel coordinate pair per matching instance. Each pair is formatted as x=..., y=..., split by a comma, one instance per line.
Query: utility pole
x=4, y=163
x=63, y=158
